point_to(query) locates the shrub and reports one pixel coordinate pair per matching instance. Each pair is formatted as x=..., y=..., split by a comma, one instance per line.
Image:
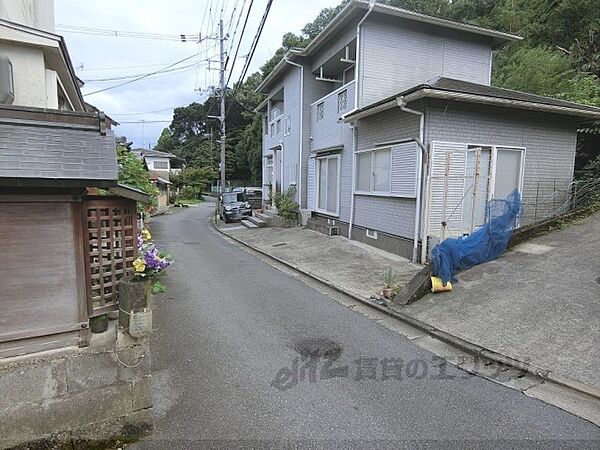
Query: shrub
x=285, y=204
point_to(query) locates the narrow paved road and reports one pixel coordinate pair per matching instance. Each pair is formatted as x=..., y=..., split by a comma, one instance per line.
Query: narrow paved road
x=228, y=337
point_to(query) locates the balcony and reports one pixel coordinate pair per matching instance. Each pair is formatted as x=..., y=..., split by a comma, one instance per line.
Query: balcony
x=274, y=131
x=326, y=130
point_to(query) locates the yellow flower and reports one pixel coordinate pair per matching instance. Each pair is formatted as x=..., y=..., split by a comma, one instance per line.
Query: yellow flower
x=146, y=234
x=139, y=265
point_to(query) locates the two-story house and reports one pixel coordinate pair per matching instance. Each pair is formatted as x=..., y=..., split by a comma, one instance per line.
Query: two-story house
x=160, y=165
x=387, y=125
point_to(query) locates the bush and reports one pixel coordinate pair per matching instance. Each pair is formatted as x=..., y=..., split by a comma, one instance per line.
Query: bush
x=285, y=204
x=189, y=192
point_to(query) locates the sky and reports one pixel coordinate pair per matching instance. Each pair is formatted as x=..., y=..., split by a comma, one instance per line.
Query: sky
x=145, y=107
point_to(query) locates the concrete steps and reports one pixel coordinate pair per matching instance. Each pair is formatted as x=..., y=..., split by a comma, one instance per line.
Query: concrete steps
x=248, y=224
x=259, y=222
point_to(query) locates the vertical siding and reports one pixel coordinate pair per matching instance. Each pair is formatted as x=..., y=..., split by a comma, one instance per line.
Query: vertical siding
x=550, y=143
x=397, y=54
x=290, y=82
x=388, y=214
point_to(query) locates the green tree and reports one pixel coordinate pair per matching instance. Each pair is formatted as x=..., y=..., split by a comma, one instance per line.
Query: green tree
x=196, y=178
x=132, y=173
x=539, y=70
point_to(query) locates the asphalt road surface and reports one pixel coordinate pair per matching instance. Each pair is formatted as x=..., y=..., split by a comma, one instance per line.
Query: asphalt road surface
x=232, y=367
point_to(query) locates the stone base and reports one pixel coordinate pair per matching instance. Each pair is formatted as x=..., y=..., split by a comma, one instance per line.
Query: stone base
x=99, y=393
x=394, y=244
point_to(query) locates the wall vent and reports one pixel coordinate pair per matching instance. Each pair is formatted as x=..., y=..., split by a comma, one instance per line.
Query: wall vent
x=371, y=234
x=7, y=85
x=334, y=231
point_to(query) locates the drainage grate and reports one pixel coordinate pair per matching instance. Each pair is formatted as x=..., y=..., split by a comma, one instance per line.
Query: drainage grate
x=598, y=280
x=318, y=348
x=281, y=244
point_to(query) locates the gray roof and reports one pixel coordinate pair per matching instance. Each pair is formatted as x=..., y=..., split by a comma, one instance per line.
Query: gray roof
x=55, y=152
x=153, y=153
x=458, y=90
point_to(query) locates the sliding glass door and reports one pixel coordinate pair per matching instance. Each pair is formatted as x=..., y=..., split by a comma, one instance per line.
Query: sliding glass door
x=328, y=173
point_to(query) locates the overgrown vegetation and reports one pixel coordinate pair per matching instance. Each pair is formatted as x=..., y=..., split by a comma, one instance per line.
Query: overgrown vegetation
x=132, y=173
x=559, y=57
x=285, y=204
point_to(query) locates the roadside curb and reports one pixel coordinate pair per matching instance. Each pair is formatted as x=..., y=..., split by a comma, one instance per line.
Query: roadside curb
x=464, y=345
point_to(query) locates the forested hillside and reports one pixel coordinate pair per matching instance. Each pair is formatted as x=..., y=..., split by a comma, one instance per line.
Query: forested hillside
x=559, y=57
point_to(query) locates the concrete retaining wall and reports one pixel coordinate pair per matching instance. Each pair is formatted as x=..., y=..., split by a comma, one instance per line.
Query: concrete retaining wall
x=98, y=393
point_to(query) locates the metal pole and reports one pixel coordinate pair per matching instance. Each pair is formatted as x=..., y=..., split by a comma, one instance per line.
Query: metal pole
x=223, y=88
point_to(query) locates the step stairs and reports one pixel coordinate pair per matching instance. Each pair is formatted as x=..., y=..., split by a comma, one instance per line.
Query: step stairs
x=248, y=224
x=260, y=223
x=260, y=220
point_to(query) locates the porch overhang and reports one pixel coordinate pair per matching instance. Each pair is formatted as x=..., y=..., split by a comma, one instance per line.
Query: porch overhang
x=462, y=91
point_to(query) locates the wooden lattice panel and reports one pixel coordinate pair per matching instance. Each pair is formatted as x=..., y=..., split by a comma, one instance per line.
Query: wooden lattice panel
x=110, y=227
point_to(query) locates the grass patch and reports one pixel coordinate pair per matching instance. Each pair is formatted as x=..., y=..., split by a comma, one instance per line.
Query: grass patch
x=189, y=201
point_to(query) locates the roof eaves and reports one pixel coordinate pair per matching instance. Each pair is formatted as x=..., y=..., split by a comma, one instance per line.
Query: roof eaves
x=498, y=101
x=411, y=15
x=277, y=70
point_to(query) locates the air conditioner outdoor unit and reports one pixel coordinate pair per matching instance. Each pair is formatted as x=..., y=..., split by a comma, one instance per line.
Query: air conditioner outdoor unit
x=7, y=85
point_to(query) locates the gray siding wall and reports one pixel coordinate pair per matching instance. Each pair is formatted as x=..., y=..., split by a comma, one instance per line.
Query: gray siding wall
x=329, y=131
x=334, y=45
x=313, y=90
x=550, y=143
x=53, y=152
x=290, y=82
x=388, y=214
x=396, y=54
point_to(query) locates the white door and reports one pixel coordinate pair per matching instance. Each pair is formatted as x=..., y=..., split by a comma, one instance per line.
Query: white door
x=509, y=168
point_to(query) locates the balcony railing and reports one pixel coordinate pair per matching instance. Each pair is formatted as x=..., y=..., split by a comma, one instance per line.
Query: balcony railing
x=274, y=132
x=326, y=129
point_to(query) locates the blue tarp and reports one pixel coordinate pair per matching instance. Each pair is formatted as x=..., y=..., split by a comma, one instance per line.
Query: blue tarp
x=485, y=244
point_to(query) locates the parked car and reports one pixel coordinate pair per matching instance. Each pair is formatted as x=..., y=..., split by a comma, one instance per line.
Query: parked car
x=253, y=195
x=232, y=206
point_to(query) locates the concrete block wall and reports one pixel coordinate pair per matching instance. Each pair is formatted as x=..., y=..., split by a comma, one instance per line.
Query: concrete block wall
x=98, y=393
x=388, y=242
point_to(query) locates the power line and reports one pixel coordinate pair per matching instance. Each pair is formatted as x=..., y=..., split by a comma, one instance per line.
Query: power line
x=127, y=77
x=239, y=42
x=252, y=50
x=145, y=121
x=255, y=41
x=144, y=112
x=141, y=77
x=182, y=37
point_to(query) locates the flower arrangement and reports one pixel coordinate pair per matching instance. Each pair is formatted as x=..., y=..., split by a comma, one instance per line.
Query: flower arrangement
x=151, y=262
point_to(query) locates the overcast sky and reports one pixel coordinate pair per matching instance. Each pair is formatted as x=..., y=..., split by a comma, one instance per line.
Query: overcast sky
x=99, y=57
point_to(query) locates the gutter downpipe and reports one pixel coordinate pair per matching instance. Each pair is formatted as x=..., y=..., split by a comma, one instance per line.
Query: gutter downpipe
x=357, y=76
x=422, y=154
x=357, y=60
x=301, y=137
x=354, y=131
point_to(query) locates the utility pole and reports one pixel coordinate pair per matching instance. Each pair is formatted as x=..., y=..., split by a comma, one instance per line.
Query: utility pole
x=223, y=89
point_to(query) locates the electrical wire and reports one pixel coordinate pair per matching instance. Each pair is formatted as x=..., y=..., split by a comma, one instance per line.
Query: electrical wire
x=141, y=77
x=182, y=37
x=239, y=44
x=127, y=77
x=251, y=54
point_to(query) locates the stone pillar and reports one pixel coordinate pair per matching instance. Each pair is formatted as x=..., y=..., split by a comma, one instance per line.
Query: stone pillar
x=133, y=296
